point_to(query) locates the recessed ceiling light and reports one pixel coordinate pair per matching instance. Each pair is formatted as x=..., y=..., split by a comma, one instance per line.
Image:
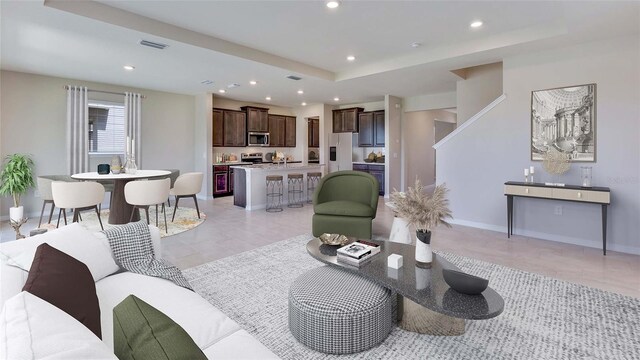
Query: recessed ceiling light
x=415, y=44
x=233, y=86
x=268, y=98
x=332, y=4
x=304, y=104
x=300, y=92
x=222, y=91
x=253, y=82
x=336, y=99
x=351, y=57
x=476, y=24
x=129, y=67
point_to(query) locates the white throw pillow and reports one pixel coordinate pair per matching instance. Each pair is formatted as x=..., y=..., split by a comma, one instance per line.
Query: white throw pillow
x=31, y=328
x=73, y=240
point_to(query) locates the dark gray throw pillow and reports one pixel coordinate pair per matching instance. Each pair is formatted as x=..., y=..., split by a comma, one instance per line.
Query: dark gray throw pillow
x=65, y=282
x=142, y=332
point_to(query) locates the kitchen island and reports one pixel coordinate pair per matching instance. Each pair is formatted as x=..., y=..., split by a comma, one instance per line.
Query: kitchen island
x=250, y=189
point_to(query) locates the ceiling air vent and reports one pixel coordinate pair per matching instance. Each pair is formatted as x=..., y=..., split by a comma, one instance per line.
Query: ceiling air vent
x=152, y=44
x=293, y=77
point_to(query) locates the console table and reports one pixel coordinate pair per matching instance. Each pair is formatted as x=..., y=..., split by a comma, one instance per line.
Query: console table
x=590, y=195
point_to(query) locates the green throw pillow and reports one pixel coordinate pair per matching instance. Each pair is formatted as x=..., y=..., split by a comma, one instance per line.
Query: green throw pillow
x=141, y=332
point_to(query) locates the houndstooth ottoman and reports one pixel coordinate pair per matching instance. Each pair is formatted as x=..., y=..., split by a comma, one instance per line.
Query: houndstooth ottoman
x=338, y=312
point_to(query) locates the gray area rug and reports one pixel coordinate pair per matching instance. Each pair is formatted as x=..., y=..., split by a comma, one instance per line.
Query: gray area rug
x=544, y=318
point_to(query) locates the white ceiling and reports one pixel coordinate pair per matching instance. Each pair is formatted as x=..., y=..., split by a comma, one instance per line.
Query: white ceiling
x=237, y=41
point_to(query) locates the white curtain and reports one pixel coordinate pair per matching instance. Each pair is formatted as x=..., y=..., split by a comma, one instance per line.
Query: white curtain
x=77, y=130
x=132, y=121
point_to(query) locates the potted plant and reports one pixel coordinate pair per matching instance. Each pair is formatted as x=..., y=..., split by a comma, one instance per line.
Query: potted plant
x=425, y=212
x=17, y=178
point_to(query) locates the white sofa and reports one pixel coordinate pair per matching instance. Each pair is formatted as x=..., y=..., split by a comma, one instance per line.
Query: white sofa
x=216, y=334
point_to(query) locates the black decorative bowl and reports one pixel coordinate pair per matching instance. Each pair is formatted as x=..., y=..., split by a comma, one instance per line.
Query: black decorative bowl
x=464, y=283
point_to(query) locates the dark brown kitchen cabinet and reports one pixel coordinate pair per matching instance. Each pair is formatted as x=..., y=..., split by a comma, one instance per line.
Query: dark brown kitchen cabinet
x=276, y=130
x=313, y=133
x=218, y=128
x=235, y=128
x=377, y=171
x=371, y=129
x=282, y=131
x=346, y=120
x=366, y=129
x=290, y=131
x=378, y=126
x=257, y=118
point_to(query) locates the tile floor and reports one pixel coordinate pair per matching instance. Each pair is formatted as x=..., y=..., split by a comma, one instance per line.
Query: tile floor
x=229, y=230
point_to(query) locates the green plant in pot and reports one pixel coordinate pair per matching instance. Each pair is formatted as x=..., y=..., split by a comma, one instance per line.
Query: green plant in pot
x=425, y=212
x=17, y=178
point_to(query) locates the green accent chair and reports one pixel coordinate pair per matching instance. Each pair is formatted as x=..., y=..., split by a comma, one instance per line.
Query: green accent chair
x=345, y=202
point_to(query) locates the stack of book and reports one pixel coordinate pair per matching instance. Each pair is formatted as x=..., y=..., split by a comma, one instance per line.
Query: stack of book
x=357, y=253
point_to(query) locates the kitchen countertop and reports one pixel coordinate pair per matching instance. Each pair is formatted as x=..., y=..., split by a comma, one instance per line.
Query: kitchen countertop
x=281, y=167
x=367, y=163
x=229, y=163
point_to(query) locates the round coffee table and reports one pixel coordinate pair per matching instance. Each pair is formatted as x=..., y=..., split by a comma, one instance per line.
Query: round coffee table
x=119, y=209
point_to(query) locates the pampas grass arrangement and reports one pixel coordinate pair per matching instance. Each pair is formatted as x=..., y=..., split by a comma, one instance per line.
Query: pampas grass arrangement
x=422, y=210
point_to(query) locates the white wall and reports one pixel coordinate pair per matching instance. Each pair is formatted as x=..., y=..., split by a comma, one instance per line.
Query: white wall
x=476, y=162
x=418, y=140
x=482, y=85
x=202, y=142
x=429, y=102
x=393, y=143
x=33, y=120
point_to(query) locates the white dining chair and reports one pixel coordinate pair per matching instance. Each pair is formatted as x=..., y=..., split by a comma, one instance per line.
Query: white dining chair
x=44, y=189
x=78, y=196
x=142, y=194
x=187, y=185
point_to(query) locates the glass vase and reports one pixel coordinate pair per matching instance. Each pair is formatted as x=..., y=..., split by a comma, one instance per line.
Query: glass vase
x=130, y=167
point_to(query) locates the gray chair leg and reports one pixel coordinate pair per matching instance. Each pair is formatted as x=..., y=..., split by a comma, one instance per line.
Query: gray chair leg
x=166, y=228
x=195, y=200
x=175, y=208
x=59, y=214
x=53, y=207
x=146, y=211
x=157, y=214
x=133, y=211
x=41, y=213
x=100, y=220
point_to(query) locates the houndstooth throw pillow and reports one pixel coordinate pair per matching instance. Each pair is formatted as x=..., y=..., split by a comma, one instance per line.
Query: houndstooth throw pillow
x=132, y=247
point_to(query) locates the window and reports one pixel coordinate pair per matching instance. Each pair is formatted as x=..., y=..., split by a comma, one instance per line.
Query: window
x=106, y=128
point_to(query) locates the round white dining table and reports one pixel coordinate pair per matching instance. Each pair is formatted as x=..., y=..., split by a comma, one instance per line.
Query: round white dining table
x=119, y=209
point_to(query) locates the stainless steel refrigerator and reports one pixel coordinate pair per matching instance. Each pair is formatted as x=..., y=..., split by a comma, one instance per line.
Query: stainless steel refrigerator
x=340, y=151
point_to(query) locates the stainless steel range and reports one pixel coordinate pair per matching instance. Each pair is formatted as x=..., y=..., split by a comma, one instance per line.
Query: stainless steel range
x=255, y=158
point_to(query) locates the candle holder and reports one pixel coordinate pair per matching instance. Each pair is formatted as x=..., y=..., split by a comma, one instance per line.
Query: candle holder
x=585, y=176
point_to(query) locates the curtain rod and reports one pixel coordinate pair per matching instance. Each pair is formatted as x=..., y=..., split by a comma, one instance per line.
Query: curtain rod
x=66, y=87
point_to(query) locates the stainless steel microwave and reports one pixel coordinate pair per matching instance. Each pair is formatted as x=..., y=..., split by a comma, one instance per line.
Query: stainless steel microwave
x=258, y=139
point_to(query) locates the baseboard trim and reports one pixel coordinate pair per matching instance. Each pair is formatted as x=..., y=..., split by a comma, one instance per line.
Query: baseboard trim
x=550, y=237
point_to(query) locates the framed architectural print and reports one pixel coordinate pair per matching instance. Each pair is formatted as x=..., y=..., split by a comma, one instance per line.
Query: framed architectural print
x=564, y=119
